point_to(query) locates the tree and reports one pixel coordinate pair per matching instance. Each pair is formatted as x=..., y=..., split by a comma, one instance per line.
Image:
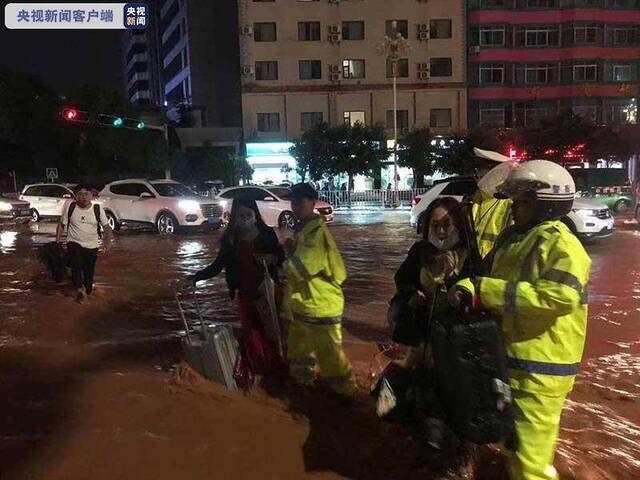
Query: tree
x=235, y=168
x=312, y=152
x=610, y=144
x=417, y=150
x=356, y=150
x=457, y=158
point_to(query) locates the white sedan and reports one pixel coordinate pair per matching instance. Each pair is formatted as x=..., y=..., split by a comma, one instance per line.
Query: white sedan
x=588, y=219
x=274, y=204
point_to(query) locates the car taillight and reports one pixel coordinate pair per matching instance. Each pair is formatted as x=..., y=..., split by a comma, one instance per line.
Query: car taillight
x=416, y=200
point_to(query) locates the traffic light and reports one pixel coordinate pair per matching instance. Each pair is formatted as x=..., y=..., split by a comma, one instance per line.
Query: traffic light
x=117, y=122
x=75, y=116
x=140, y=125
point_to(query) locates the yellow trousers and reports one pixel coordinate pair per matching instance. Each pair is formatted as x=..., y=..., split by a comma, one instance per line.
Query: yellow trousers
x=537, y=419
x=312, y=346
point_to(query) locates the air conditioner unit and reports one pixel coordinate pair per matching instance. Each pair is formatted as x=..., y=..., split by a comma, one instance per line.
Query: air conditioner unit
x=474, y=50
x=334, y=77
x=334, y=29
x=334, y=38
x=423, y=27
x=247, y=70
x=334, y=68
x=423, y=36
x=423, y=75
x=246, y=30
x=422, y=67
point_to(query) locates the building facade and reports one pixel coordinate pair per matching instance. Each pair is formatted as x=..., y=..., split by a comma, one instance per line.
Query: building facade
x=532, y=58
x=308, y=62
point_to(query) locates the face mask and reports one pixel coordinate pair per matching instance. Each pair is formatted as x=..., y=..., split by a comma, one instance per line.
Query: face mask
x=245, y=223
x=446, y=244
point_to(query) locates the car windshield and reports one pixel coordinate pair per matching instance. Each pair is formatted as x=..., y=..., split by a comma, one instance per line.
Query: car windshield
x=173, y=190
x=280, y=192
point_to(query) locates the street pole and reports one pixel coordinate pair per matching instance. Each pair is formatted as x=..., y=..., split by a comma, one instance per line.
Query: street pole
x=167, y=171
x=395, y=127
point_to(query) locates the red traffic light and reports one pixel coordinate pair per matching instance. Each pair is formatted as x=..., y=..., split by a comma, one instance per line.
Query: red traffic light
x=70, y=114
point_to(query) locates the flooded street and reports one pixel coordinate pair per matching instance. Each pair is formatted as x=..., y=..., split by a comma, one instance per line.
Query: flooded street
x=85, y=388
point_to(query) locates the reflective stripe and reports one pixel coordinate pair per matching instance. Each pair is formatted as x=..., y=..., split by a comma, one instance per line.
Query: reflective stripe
x=299, y=266
x=488, y=237
x=337, y=380
x=565, y=278
x=584, y=297
x=303, y=361
x=317, y=321
x=510, y=295
x=544, y=368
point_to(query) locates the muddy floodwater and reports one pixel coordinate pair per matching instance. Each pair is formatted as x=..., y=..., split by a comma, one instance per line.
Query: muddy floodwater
x=92, y=391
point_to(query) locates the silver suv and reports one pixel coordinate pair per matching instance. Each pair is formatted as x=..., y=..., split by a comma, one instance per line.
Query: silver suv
x=165, y=204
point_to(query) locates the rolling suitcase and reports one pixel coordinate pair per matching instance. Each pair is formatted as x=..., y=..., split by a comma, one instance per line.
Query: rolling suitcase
x=472, y=377
x=213, y=350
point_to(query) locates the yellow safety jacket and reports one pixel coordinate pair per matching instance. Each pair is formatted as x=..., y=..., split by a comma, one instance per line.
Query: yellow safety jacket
x=490, y=216
x=538, y=287
x=315, y=273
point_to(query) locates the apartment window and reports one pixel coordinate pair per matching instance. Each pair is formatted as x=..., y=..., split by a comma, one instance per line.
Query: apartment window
x=537, y=75
x=174, y=67
x=585, y=73
x=268, y=122
x=541, y=37
x=264, y=32
x=310, y=69
x=352, y=30
x=440, y=28
x=440, y=117
x=441, y=67
x=492, y=3
x=402, y=68
x=353, y=68
x=492, y=37
x=622, y=73
x=585, y=35
x=402, y=27
x=622, y=111
x=351, y=118
x=624, y=36
x=402, y=117
x=492, y=117
x=590, y=112
x=267, y=70
x=309, y=120
x=492, y=75
x=309, y=31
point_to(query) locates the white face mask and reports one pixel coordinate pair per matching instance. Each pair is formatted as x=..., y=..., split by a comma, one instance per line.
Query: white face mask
x=446, y=244
x=245, y=223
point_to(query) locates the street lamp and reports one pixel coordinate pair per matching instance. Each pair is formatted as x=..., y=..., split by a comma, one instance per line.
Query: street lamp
x=393, y=48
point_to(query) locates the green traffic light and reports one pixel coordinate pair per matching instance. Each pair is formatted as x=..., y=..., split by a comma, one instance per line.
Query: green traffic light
x=118, y=122
x=140, y=125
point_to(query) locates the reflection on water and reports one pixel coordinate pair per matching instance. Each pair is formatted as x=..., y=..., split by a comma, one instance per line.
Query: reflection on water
x=7, y=241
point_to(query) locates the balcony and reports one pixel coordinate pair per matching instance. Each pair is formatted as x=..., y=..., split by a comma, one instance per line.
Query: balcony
x=138, y=57
x=137, y=77
x=140, y=95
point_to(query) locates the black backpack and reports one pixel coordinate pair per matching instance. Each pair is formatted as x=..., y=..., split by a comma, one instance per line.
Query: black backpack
x=96, y=212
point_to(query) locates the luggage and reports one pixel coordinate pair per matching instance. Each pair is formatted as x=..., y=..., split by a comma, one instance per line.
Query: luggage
x=472, y=376
x=213, y=350
x=53, y=257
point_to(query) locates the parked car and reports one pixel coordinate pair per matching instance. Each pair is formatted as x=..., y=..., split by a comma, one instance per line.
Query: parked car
x=588, y=218
x=47, y=199
x=13, y=210
x=273, y=202
x=165, y=204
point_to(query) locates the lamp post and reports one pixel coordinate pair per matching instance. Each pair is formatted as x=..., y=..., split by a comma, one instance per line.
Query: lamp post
x=392, y=48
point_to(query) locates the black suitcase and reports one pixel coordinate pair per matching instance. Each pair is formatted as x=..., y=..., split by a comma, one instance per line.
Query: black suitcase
x=472, y=376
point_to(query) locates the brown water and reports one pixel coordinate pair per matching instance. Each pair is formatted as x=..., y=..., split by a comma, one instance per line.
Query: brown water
x=84, y=395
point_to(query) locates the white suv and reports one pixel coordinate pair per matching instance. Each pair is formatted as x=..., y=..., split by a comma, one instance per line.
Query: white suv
x=588, y=218
x=165, y=204
x=47, y=200
x=274, y=204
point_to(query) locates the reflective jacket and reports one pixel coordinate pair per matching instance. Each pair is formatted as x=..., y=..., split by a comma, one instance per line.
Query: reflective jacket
x=490, y=216
x=538, y=287
x=315, y=273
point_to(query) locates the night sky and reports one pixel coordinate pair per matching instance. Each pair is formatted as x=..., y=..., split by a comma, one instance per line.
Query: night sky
x=63, y=58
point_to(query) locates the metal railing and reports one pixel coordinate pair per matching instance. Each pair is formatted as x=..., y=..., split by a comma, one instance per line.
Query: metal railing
x=370, y=198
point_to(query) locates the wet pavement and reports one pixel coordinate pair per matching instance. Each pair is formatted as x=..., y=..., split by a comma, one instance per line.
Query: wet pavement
x=65, y=369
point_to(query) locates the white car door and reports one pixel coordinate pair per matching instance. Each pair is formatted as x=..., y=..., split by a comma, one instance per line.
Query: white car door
x=60, y=197
x=143, y=203
x=40, y=198
x=270, y=207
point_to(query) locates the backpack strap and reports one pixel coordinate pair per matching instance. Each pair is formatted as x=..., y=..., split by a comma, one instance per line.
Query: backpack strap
x=96, y=212
x=72, y=207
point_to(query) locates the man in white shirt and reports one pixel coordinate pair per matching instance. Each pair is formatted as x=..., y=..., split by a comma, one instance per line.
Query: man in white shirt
x=84, y=222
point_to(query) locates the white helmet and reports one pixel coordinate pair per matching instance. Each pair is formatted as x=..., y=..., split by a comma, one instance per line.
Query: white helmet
x=550, y=181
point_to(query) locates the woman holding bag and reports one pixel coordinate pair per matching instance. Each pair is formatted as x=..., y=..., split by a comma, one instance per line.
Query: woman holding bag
x=247, y=245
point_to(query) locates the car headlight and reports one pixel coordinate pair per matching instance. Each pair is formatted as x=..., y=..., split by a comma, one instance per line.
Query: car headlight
x=5, y=207
x=583, y=212
x=223, y=204
x=189, y=206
